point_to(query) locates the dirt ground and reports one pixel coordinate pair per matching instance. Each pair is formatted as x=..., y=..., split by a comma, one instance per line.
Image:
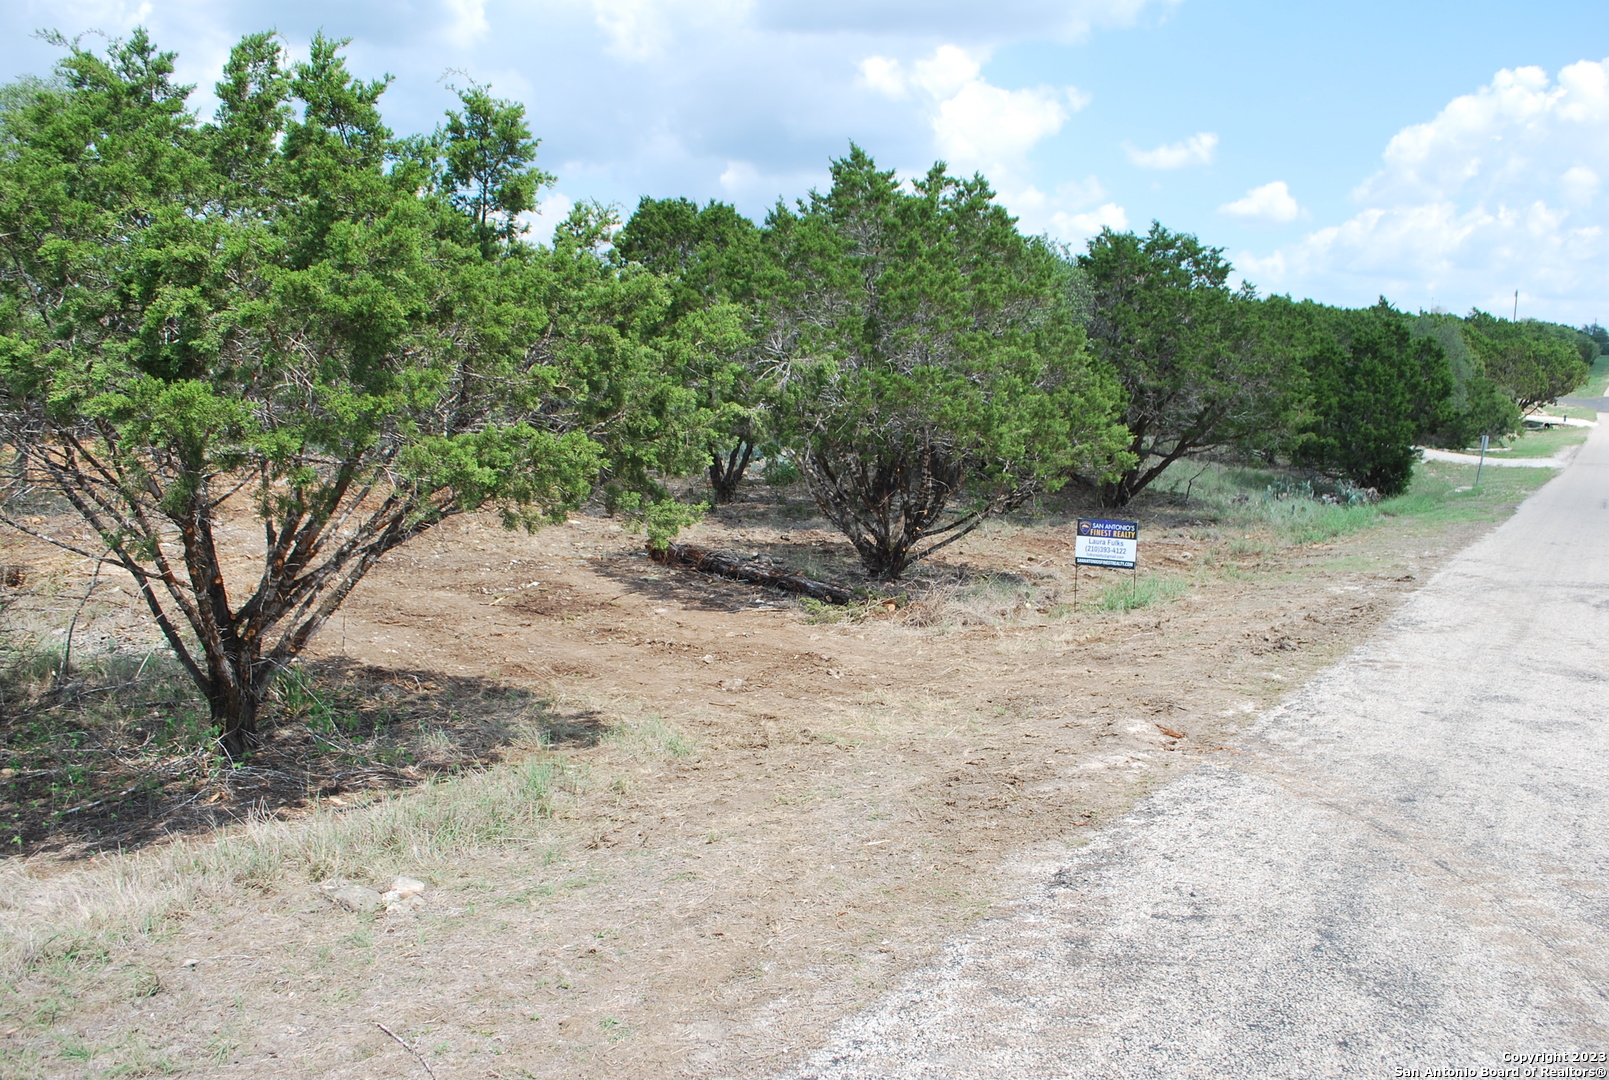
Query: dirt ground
x=777, y=815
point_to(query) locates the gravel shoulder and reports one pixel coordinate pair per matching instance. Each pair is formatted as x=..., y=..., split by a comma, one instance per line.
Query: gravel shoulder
x=1402, y=867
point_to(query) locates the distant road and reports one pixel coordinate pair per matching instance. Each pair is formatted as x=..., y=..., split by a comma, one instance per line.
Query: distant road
x=1557, y=461
x=1404, y=868
x=1597, y=404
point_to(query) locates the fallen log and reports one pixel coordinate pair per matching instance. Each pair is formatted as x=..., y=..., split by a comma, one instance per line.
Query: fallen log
x=754, y=571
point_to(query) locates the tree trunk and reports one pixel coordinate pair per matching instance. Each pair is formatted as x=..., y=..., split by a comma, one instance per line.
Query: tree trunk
x=889, y=564
x=235, y=694
x=726, y=474
x=888, y=505
x=1117, y=493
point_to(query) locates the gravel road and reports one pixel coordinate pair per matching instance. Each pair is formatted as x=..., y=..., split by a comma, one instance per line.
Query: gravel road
x=1405, y=868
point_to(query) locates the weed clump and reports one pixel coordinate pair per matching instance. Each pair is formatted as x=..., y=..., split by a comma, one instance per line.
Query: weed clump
x=1141, y=593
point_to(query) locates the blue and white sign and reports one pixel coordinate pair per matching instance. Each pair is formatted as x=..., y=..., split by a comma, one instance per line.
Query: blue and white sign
x=1107, y=543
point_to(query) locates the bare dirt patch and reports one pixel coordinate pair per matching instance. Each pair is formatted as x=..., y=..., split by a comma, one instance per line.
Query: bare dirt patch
x=771, y=810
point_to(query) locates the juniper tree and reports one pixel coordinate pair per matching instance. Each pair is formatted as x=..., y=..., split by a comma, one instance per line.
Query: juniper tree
x=930, y=364
x=1533, y=362
x=1197, y=371
x=1376, y=391
x=288, y=315
x=712, y=260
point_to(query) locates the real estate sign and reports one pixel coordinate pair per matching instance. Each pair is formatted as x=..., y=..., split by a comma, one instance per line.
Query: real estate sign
x=1107, y=543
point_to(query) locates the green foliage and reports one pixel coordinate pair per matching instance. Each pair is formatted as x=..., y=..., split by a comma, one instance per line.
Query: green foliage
x=1376, y=389
x=1477, y=406
x=713, y=262
x=1533, y=362
x=1197, y=368
x=710, y=256
x=930, y=367
x=291, y=304
x=660, y=518
x=1134, y=594
x=779, y=470
x=486, y=153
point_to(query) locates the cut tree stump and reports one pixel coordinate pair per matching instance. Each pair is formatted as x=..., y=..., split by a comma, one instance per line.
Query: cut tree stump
x=754, y=571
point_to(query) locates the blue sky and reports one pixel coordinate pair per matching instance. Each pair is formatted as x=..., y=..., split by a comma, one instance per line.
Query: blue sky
x=1440, y=154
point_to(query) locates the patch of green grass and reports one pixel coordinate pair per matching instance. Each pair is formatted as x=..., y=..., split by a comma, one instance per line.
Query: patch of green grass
x=1133, y=595
x=302, y=699
x=1269, y=509
x=1597, y=384
x=649, y=738
x=1241, y=546
x=821, y=613
x=1541, y=444
x=1271, y=501
x=74, y=917
x=221, y=1047
x=1444, y=493
x=72, y=1048
x=1310, y=521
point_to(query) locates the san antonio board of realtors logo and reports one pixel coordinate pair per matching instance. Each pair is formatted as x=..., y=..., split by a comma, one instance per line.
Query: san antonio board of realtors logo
x=1107, y=543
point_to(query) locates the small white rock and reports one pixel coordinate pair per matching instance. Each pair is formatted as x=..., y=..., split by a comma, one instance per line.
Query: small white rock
x=405, y=887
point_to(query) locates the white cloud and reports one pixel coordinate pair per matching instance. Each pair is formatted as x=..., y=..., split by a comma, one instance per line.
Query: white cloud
x=549, y=215
x=1579, y=185
x=636, y=29
x=1081, y=193
x=1080, y=226
x=1499, y=191
x=976, y=125
x=740, y=100
x=994, y=129
x=948, y=71
x=738, y=175
x=469, y=21
x=1271, y=202
x=1198, y=149
x=641, y=30
x=883, y=75
x=112, y=16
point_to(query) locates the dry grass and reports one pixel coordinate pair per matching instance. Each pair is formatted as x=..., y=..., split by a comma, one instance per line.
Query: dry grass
x=122, y=753
x=716, y=825
x=87, y=908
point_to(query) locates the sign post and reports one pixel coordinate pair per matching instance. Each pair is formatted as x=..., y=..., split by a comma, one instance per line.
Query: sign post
x=1102, y=542
x=1485, y=439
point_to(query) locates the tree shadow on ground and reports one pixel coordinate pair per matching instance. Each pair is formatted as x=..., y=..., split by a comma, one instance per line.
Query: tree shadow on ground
x=113, y=763
x=788, y=533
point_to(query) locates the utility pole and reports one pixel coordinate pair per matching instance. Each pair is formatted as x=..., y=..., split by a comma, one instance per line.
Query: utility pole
x=1516, y=305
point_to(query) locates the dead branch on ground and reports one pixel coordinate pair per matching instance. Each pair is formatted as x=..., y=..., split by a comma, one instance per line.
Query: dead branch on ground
x=753, y=571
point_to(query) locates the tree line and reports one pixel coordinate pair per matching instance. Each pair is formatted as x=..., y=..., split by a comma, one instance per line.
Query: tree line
x=290, y=306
